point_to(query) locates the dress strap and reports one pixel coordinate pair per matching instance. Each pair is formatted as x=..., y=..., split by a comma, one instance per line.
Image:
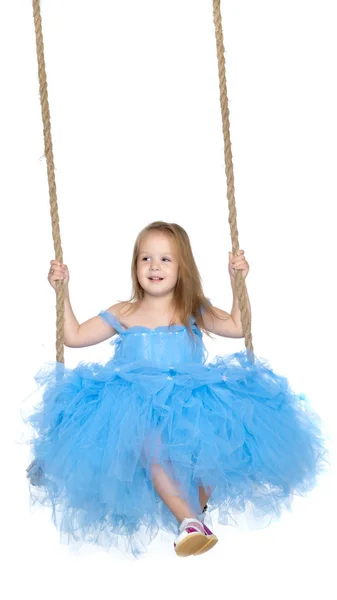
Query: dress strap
x=112, y=320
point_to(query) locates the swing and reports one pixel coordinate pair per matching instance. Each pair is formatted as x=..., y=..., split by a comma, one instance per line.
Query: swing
x=267, y=445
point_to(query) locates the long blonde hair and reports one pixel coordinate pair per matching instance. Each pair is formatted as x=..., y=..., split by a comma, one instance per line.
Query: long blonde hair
x=189, y=298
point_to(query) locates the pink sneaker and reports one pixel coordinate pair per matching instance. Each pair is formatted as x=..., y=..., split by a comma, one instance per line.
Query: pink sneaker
x=211, y=538
x=191, y=539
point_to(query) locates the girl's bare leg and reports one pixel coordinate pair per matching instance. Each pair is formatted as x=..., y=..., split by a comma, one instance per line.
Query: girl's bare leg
x=164, y=484
x=169, y=492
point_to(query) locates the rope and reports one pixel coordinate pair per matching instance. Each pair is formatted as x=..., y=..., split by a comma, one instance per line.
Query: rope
x=240, y=284
x=48, y=152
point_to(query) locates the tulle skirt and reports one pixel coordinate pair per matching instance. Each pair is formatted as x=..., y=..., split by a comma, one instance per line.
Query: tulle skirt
x=233, y=427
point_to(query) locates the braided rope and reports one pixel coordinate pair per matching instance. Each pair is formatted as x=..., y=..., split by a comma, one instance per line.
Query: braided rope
x=239, y=280
x=48, y=152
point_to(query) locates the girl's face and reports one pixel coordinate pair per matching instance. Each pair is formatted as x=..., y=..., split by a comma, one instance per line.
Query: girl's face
x=157, y=264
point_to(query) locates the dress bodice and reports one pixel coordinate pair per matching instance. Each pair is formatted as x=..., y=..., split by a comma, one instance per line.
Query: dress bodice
x=163, y=346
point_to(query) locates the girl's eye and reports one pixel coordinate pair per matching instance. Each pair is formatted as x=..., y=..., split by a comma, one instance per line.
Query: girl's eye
x=146, y=257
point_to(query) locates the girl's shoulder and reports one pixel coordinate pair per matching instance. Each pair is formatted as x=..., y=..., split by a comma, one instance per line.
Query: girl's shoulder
x=121, y=311
x=121, y=308
x=114, y=315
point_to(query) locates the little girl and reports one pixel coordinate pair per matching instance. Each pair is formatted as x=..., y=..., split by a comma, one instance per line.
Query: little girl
x=141, y=444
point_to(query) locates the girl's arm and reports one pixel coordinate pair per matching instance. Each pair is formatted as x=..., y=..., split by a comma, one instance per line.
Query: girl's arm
x=91, y=332
x=229, y=325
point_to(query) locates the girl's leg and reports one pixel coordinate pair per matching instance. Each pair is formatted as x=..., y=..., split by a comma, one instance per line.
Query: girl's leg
x=165, y=485
x=169, y=492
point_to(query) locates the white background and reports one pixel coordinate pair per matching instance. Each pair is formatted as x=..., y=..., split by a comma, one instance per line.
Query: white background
x=137, y=137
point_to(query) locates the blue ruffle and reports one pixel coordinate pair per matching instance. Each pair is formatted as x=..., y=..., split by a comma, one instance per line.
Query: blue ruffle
x=231, y=426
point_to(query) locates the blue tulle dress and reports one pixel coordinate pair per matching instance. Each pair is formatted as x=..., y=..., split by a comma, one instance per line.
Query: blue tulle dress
x=234, y=427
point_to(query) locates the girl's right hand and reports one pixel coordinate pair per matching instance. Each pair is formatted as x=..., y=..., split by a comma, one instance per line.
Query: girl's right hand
x=58, y=272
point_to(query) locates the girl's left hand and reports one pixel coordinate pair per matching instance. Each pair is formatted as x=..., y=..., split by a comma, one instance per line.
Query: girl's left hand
x=238, y=263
